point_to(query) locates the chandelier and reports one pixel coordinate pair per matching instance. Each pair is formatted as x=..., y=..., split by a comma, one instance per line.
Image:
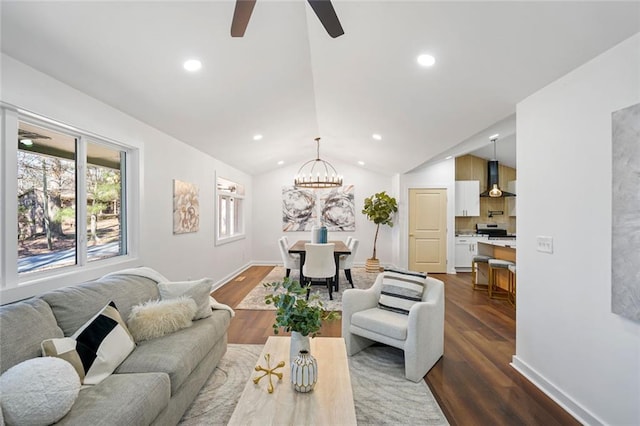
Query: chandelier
x=317, y=173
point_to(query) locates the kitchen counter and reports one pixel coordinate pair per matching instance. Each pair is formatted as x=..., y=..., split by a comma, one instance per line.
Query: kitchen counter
x=498, y=249
x=500, y=243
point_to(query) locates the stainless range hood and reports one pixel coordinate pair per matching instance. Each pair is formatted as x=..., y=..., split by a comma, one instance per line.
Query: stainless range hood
x=493, y=178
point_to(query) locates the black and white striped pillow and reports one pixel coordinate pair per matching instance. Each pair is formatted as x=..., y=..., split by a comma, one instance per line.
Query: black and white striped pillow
x=401, y=290
x=97, y=348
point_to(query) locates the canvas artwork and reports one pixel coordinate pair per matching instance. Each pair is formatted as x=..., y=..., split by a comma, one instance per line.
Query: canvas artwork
x=337, y=209
x=298, y=209
x=625, y=243
x=186, y=207
x=304, y=208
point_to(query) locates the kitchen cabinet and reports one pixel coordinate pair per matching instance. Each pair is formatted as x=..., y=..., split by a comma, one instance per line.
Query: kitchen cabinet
x=467, y=198
x=466, y=248
x=511, y=201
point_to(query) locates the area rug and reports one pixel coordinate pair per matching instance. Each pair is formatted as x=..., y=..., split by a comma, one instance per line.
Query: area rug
x=381, y=394
x=255, y=299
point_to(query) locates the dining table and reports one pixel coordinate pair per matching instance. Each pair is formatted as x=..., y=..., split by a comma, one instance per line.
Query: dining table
x=339, y=249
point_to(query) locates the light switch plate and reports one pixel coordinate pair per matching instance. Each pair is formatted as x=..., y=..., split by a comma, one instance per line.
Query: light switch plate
x=545, y=244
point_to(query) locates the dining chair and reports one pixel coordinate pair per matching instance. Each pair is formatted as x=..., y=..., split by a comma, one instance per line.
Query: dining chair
x=346, y=261
x=319, y=265
x=289, y=260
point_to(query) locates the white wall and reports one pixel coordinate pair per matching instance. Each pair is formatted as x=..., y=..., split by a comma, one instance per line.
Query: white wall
x=568, y=341
x=267, y=215
x=163, y=159
x=438, y=175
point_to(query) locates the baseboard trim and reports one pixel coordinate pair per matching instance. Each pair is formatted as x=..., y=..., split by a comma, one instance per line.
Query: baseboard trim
x=563, y=400
x=230, y=275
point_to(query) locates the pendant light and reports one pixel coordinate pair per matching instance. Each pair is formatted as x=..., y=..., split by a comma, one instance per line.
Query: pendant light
x=317, y=173
x=494, y=192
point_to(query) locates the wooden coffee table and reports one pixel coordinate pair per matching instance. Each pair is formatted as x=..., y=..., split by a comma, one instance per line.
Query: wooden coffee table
x=330, y=402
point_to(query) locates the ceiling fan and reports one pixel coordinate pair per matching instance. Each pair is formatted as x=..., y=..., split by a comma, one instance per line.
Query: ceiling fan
x=323, y=8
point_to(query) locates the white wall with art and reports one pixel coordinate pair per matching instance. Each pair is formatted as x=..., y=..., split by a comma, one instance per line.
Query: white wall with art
x=268, y=214
x=163, y=159
x=568, y=341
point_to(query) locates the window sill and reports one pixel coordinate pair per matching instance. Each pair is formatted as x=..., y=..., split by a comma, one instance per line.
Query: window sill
x=227, y=240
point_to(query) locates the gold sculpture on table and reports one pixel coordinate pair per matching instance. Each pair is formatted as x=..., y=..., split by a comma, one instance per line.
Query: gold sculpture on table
x=268, y=371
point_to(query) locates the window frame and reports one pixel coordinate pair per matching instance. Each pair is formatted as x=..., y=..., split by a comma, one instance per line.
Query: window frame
x=15, y=286
x=237, y=196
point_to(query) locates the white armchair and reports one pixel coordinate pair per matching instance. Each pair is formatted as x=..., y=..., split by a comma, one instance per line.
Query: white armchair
x=420, y=334
x=289, y=260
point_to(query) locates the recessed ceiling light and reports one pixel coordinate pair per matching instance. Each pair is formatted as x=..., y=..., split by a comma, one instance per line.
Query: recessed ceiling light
x=280, y=163
x=361, y=163
x=449, y=157
x=377, y=137
x=257, y=137
x=192, y=65
x=426, y=60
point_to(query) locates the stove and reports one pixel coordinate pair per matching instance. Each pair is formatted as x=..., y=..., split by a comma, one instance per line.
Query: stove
x=493, y=230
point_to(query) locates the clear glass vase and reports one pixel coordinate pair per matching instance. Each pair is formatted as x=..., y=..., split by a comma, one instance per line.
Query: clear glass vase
x=304, y=372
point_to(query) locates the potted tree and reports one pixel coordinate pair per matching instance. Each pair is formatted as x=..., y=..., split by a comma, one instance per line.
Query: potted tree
x=296, y=314
x=379, y=209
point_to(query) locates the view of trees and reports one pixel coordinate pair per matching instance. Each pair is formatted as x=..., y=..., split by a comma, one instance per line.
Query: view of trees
x=47, y=203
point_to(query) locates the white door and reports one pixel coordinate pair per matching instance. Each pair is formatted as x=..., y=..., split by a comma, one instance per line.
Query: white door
x=428, y=230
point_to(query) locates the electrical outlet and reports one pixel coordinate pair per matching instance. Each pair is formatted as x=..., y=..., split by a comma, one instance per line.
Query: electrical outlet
x=545, y=244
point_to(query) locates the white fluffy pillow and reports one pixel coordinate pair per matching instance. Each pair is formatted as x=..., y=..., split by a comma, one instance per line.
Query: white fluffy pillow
x=38, y=391
x=198, y=290
x=157, y=318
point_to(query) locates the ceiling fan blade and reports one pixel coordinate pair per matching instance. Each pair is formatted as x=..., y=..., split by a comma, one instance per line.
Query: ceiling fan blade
x=326, y=13
x=241, y=16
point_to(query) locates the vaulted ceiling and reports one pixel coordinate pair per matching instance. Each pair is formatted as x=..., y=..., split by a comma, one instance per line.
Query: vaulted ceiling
x=287, y=80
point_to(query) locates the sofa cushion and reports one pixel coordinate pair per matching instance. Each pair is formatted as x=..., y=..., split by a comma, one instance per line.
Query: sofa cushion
x=178, y=354
x=387, y=323
x=198, y=290
x=23, y=326
x=100, y=346
x=157, y=318
x=121, y=400
x=400, y=291
x=38, y=391
x=73, y=306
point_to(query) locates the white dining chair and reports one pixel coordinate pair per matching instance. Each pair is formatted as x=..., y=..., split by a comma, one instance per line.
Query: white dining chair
x=289, y=260
x=346, y=261
x=319, y=265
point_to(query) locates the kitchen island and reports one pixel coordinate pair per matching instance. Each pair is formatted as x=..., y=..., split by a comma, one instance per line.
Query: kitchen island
x=498, y=249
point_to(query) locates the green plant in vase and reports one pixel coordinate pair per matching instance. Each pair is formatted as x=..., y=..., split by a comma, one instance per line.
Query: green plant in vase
x=295, y=314
x=379, y=209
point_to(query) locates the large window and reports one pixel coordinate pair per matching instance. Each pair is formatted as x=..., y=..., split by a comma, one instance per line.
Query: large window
x=70, y=197
x=230, y=224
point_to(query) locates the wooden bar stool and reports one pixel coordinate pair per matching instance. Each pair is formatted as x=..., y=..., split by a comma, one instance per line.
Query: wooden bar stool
x=495, y=264
x=474, y=279
x=512, y=284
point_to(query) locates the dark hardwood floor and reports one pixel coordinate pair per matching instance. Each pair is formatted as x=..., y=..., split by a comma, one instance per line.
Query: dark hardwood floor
x=473, y=382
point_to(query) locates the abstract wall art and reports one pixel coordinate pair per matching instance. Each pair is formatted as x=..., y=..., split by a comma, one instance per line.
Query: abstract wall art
x=304, y=208
x=337, y=208
x=186, y=207
x=298, y=209
x=625, y=242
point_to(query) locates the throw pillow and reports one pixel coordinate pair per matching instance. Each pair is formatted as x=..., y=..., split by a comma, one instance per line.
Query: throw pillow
x=400, y=291
x=64, y=348
x=102, y=343
x=197, y=290
x=157, y=318
x=38, y=391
